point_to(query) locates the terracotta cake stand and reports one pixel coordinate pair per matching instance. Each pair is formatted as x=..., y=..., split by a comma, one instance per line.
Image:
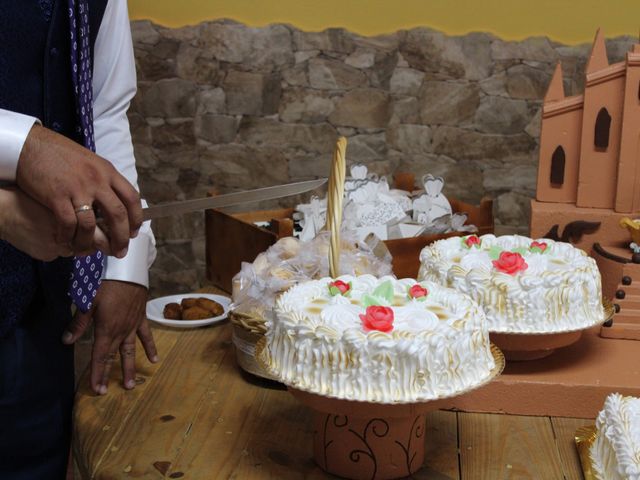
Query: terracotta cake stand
x=368, y=440
x=532, y=346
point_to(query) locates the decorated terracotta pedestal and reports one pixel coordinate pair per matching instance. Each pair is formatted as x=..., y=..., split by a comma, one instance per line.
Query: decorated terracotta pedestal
x=533, y=346
x=368, y=440
x=363, y=440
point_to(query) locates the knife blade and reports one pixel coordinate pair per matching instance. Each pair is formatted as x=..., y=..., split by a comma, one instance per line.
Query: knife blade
x=229, y=199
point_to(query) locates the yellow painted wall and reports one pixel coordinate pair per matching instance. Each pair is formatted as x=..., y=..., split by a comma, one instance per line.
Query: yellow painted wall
x=572, y=21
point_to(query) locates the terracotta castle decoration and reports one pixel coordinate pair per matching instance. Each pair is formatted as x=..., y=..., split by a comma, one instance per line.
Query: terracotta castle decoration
x=589, y=175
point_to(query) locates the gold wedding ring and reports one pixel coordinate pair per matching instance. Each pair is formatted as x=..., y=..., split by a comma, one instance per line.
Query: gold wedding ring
x=83, y=208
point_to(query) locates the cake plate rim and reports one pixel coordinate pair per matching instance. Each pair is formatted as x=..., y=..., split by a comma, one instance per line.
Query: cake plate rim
x=584, y=439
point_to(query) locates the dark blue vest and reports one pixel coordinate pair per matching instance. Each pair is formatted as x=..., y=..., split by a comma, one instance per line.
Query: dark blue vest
x=36, y=369
x=35, y=80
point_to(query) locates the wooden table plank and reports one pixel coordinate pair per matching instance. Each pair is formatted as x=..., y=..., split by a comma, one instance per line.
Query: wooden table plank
x=279, y=441
x=507, y=446
x=148, y=443
x=198, y=417
x=102, y=417
x=441, y=450
x=243, y=431
x=564, y=430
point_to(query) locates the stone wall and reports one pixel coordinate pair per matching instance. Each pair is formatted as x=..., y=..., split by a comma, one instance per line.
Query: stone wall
x=221, y=105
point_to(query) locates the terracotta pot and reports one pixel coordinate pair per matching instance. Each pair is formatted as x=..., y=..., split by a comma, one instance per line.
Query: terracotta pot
x=371, y=441
x=368, y=448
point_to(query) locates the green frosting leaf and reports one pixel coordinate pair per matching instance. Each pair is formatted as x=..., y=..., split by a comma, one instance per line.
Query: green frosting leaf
x=520, y=250
x=494, y=252
x=333, y=291
x=385, y=291
x=369, y=300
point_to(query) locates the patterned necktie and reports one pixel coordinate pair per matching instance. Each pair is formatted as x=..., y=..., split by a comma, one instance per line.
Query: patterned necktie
x=87, y=271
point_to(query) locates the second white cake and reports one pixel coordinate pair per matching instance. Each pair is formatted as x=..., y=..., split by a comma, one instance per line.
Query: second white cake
x=523, y=285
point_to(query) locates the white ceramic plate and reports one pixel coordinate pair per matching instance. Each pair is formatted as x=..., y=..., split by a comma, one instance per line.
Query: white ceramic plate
x=156, y=306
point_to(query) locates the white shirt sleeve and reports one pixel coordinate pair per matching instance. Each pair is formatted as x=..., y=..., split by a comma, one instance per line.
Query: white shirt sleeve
x=114, y=85
x=14, y=128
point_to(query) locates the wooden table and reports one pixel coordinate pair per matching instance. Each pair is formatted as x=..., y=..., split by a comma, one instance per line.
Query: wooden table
x=194, y=416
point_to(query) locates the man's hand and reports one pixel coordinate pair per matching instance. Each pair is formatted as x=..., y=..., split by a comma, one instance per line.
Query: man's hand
x=63, y=176
x=118, y=316
x=31, y=228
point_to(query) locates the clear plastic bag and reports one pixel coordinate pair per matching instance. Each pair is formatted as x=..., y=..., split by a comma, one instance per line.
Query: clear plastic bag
x=291, y=261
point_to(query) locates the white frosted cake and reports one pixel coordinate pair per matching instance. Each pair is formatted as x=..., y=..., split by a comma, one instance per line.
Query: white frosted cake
x=379, y=340
x=615, y=454
x=523, y=285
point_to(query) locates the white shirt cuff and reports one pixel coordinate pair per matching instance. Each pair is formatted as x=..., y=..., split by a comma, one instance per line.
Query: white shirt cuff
x=14, y=129
x=133, y=268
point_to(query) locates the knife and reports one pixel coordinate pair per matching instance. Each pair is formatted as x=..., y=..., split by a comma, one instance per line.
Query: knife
x=229, y=199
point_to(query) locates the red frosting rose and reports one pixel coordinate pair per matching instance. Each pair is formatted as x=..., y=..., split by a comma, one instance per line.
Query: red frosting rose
x=472, y=240
x=418, y=291
x=339, y=287
x=378, y=318
x=538, y=247
x=510, y=263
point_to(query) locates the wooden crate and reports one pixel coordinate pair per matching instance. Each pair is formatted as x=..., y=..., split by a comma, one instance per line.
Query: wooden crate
x=233, y=238
x=406, y=251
